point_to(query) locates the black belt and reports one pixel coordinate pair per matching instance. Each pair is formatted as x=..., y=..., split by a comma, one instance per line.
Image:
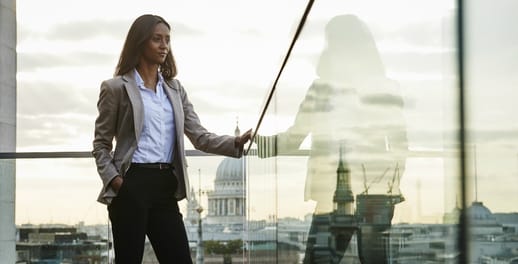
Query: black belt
x=157, y=166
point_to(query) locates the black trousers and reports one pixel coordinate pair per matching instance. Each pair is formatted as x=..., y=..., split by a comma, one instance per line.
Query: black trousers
x=145, y=205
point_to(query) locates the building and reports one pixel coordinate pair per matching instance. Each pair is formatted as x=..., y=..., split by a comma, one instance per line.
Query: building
x=491, y=241
x=226, y=213
x=227, y=202
x=59, y=244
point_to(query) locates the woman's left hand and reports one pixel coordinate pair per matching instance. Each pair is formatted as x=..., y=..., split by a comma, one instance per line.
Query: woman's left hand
x=241, y=140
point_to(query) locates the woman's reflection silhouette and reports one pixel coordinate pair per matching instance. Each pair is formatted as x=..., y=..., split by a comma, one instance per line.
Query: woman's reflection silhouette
x=353, y=114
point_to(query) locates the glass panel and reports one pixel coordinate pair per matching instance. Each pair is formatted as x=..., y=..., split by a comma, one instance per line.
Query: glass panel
x=57, y=216
x=218, y=189
x=491, y=55
x=62, y=60
x=262, y=210
x=361, y=137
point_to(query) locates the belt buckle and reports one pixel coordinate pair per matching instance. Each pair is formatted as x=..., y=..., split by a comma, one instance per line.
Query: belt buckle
x=161, y=166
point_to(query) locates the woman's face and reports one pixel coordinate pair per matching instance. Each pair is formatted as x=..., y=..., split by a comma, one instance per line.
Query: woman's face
x=157, y=47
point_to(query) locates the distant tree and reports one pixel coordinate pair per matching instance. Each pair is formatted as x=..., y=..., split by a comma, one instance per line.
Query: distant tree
x=225, y=248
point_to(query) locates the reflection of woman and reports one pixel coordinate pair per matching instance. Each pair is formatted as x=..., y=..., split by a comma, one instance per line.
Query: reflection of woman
x=146, y=110
x=354, y=103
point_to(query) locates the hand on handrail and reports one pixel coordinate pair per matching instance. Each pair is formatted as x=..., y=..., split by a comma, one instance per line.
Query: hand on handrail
x=241, y=140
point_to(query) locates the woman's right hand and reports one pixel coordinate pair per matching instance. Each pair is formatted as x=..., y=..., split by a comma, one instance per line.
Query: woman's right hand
x=116, y=183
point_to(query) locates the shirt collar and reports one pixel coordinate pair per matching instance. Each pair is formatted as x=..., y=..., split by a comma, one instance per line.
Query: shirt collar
x=140, y=81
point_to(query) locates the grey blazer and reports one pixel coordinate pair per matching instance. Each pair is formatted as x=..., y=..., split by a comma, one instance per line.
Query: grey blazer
x=120, y=118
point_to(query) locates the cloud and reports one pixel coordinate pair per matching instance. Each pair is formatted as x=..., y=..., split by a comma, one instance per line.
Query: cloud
x=28, y=62
x=505, y=137
x=54, y=116
x=81, y=30
x=88, y=29
x=76, y=31
x=448, y=138
x=56, y=132
x=491, y=44
x=383, y=100
x=236, y=95
x=45, y=97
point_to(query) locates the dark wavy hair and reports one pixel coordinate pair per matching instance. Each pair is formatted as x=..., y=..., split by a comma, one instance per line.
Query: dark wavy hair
x=139, y=33
x=350, y=45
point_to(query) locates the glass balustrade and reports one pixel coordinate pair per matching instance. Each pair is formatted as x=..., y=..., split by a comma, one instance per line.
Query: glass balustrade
x=360, y=141
x=358, y=153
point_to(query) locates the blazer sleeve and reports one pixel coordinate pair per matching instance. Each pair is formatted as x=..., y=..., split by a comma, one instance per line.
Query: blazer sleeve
x=200, y=137
x=290, y=140
x=105, y=131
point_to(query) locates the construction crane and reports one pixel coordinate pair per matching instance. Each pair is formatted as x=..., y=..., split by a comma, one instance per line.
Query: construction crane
x=375, y=180
x=396, y=175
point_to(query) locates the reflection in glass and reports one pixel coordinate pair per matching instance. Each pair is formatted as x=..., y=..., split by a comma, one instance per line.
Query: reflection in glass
x=353, y=114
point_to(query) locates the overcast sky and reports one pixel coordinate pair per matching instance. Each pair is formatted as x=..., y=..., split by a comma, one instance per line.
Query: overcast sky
x=228, y=54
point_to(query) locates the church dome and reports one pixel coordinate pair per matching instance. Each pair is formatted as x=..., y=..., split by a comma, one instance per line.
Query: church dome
x=230, y=169
x=482, y=221
x=477, y=210
x=480, y=214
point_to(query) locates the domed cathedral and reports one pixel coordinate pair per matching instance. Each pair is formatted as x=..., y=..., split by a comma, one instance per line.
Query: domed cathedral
x=227, y=203
x=482, y=220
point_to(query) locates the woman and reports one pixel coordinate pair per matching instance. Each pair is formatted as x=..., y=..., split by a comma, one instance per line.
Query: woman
x=147, y=111
x=351, y=105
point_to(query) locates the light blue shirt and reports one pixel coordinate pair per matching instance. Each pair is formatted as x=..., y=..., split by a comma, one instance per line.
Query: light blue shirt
x=156, y=142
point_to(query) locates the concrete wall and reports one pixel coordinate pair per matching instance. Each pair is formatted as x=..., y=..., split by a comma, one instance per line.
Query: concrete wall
x=7, y=129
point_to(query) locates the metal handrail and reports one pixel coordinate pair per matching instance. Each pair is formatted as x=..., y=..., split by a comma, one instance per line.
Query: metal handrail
x=88, y=154
x=72, y=154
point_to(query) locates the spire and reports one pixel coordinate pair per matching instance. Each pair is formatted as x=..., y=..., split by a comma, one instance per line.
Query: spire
x=343, y=197
x=237, y=132
x=341, y=167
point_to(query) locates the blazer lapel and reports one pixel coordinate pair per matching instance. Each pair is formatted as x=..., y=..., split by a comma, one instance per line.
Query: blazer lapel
x=174, y=97
x=136, y=102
